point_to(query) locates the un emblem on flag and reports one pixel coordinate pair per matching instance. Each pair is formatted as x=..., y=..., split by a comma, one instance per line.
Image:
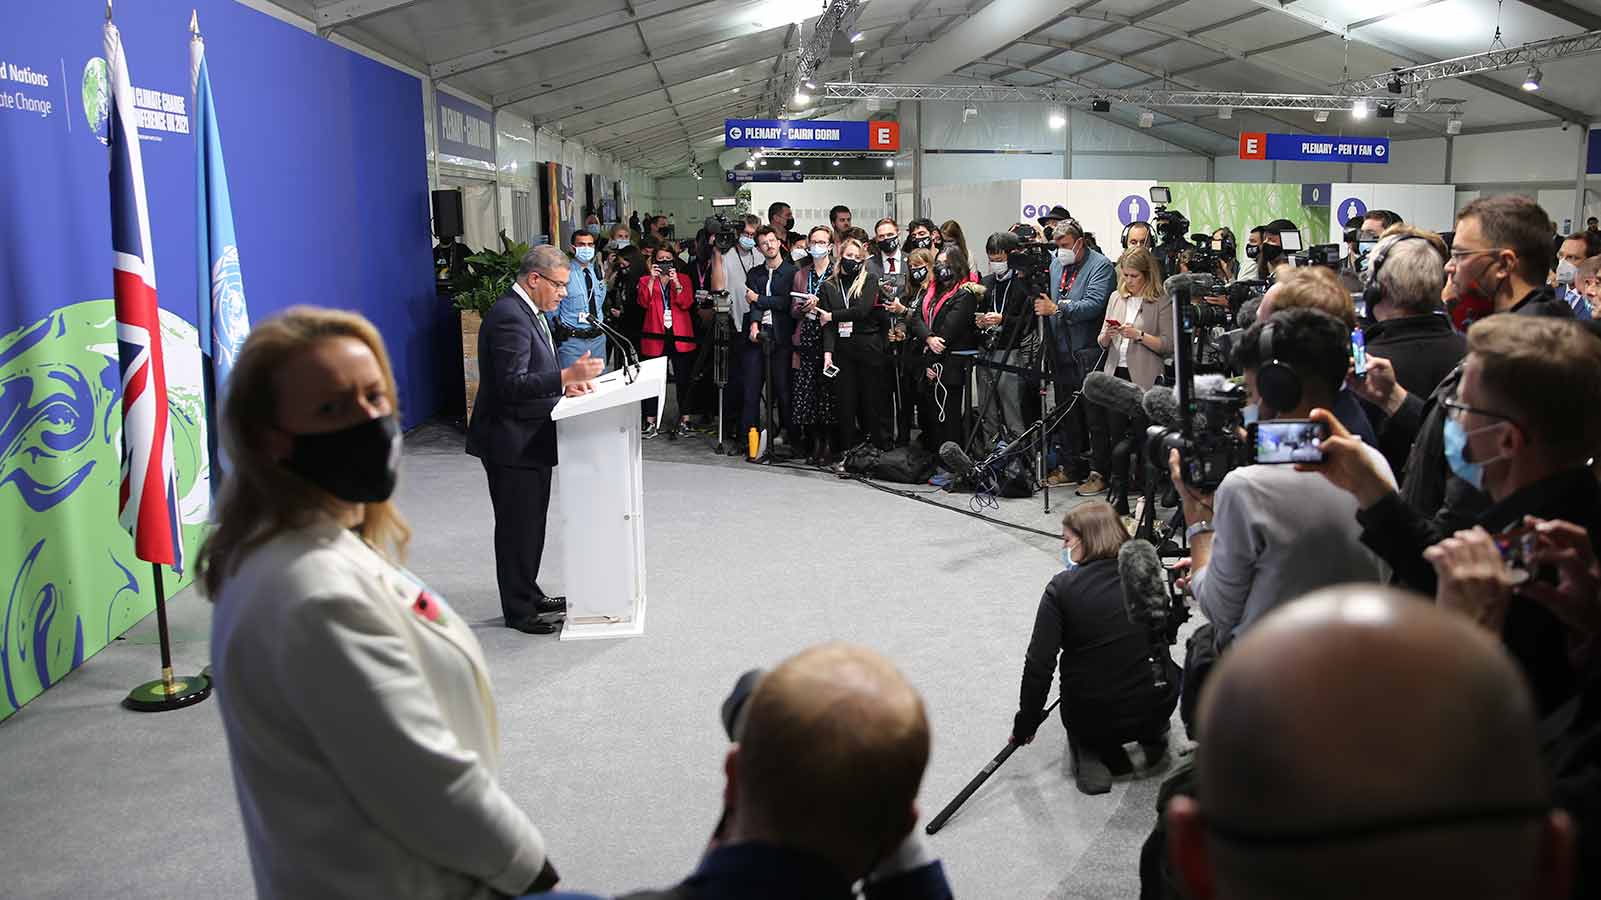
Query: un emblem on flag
x=230, y=323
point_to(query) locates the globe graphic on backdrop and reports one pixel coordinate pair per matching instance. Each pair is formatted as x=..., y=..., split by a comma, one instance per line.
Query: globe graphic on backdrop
x=97, y=96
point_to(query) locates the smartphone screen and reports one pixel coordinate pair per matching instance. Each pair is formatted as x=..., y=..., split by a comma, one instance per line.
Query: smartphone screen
x=1284, y=441
x=1359, y=353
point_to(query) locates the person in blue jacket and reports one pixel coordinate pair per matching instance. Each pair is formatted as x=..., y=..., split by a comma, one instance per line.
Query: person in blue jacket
x=1081, y=281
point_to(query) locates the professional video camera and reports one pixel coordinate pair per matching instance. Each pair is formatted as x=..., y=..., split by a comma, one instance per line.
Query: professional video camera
x=1171, y=228
x=1208, y=434
x=1327, y=255
x=1031, y=261
x=723, y=234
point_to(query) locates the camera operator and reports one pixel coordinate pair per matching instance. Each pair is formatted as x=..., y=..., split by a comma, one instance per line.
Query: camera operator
x=1083, y=630
x=1008, y=335
x=1270, y=533
x=1049, y=221
x=1498, y=264
x=1356, y=248
x=1081, y=281
x=1137, y=335
x=1223, y=244
x=1524, y=421
x=622, y=306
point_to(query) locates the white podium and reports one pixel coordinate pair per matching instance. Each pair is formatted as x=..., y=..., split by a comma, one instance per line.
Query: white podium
x=602, y=503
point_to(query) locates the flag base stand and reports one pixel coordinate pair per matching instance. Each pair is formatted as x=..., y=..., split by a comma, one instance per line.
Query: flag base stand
x=169, y=691
x=164, y=694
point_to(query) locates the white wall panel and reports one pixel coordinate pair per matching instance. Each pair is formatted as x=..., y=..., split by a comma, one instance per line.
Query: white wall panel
x=812, y=199
x=1411, y=162
x=1540, y=155
x=1161, y=168
x=981, y=208
x=964, y=168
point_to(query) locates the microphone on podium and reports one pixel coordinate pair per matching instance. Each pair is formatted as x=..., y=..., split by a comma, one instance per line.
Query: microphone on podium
x=1114, y=393
x=630, y=355
x=1145, y=599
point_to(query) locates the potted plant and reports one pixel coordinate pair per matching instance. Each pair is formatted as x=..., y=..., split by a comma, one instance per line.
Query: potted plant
x=488, y=277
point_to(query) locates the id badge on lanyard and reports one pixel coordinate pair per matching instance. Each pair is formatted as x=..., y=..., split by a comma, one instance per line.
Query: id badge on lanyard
x=667, y=310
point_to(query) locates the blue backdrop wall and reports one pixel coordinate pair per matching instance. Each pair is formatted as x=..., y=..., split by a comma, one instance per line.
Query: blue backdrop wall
x=327, y=165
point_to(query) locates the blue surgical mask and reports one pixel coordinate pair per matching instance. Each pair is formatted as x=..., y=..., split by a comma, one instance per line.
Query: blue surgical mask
x=593, y=229
x=584, y=254
x=1250, y=414
x=1067, y=560
x=819, y=251
x=747, y=242
x=620, y=243
x=1456, y=448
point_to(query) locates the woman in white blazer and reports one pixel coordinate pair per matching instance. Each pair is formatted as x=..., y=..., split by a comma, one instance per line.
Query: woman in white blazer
x=356, y=703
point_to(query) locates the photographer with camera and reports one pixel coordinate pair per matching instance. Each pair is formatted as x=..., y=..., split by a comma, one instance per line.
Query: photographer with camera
x=1137, y=335
x=1270, y=533
x=1083, y=631
x=1008, y=335
x=1081, y=281
x=669, y=302
x=1523, y=423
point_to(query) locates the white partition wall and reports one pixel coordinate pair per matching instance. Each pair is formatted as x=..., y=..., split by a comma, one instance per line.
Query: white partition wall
x=1431, y=206
x=981, y=208
x=870, y=199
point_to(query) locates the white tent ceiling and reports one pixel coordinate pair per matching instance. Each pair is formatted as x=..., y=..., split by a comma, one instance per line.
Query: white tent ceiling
x=650, y=81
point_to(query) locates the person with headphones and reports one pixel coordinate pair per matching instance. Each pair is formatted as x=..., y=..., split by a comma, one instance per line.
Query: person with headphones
x=1271, y=533
x=1408, y=325
x=1137, y=234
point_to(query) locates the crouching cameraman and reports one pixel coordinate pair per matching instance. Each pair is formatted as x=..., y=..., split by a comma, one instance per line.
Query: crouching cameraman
x=1108, y=693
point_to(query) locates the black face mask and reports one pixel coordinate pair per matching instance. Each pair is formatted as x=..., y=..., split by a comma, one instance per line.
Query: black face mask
x=1271, y=252
x=1251, y=250
x=919, y=273
x=887, y=245
x=358, y=464
x=922, y=243
x=849, y=267
x=944, y=274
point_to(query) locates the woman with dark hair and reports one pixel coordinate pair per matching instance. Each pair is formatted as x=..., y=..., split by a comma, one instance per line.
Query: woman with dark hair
x=813, y=393
x=622, y=306
x=922, y=234
x=853, y=343
x=1082, y=629
x=943, y=326
x=906, y=357
x=953, y=236
x=1223, y=243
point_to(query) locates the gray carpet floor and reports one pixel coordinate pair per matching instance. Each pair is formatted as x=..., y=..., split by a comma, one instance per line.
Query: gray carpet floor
x=614, y=747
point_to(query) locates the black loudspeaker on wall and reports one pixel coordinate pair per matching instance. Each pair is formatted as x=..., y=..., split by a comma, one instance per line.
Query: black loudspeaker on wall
x=447, y=214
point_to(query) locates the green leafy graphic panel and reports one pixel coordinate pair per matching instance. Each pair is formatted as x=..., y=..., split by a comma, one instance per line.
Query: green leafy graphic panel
x=71, y=583
x=1244, y=206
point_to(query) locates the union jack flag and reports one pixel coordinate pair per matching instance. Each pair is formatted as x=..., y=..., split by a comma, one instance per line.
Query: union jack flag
x=148, y=501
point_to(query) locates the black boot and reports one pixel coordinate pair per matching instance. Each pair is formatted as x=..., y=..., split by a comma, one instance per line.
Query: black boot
x=1117, y=495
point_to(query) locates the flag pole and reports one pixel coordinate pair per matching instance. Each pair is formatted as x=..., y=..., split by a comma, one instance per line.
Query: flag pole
x=169, y=691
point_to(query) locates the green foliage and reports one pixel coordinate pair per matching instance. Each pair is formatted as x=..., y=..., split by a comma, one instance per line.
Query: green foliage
x=488, y=277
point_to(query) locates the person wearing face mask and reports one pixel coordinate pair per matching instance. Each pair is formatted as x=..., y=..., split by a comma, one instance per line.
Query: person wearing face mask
x=737, y=264
x=576, y=321
x=1357, y=245
x=1082, y=630
x=769, y=335
x=1253, y=255
x=669, y=303
x=922, y=234
x=1081, y=281
x=781, y=219
x=813, y=393
x=618, y=240
x=1588, y=279
x=511, y=432
x=1499, y=260
x=355, y=701
x=854, y=323
x=623, y=312
x=943, y=326
x=1575, y=248
x=1008, y=336
x=799, y=250
x=592, y=225
x=1521, y=427
x=1271, y=256
x=886, y=257
x=907, y=358
x=1223, y=243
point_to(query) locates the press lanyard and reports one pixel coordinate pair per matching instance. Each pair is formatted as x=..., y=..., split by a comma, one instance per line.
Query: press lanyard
x=1067, y=282
x=930, y=313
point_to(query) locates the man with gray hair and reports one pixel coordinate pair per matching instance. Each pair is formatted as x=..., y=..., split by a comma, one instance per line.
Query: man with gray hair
x=1363, y=742
x=1405, y=274
x=511, y=432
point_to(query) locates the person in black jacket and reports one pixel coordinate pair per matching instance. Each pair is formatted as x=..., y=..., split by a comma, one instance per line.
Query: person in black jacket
x=943, y=326
x=905, y=355
x=1524, y=422
x=1108, y=695
x=1008, y=335
x=768, y=332
x=512, y=434
x=853, y=342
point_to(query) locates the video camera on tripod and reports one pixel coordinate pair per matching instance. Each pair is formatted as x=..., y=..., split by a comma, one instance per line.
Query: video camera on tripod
x=1209, y=432
x=1030, y=262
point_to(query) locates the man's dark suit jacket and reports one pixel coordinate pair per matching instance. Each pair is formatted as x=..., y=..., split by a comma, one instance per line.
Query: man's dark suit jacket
x=519, y=385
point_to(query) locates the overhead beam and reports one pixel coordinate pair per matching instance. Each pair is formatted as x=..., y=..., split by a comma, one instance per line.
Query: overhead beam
x=1093, y=36
x=1415, y=57
x=1567, y=12
x=557, y=113
x=565, y=34
x=348, y=12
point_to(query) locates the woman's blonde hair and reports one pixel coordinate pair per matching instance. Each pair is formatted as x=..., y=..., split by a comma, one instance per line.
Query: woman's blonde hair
x=260, y=498
x=855, y=289
x=1143, y=261
x=1099, y=529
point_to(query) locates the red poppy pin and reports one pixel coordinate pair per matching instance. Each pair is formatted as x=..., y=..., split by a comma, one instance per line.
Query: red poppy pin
x=429, y=607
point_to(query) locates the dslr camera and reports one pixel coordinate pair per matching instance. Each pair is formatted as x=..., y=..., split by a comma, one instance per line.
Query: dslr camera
x=1031, y=261
x=1211, y=419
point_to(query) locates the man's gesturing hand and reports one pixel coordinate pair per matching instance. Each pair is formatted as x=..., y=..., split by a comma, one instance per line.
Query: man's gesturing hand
x=585, y=368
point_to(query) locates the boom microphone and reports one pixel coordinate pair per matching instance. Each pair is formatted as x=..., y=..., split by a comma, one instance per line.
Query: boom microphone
x=1114, y=393
x=1145, y=599
x=1161, y=407
x=957, y=461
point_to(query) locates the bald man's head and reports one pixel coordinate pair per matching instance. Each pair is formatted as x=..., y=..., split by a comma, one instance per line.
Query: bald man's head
x=831, y=751
x=1361, y=742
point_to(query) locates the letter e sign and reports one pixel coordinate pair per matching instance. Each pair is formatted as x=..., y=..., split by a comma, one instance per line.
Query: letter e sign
x=883, y=135
x=1253, y=145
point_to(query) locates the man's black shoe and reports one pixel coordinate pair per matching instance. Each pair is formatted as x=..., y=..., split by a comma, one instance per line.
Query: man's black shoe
x=532, y=625
x=550, y=609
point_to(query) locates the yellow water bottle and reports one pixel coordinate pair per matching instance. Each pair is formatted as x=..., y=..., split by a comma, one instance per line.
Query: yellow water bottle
x=754, y=443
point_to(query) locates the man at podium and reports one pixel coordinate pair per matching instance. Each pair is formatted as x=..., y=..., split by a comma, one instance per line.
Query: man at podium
x=512, y=434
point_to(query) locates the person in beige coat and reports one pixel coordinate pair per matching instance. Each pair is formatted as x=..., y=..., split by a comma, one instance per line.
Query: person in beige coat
x=1137, y=334
x=356, y=703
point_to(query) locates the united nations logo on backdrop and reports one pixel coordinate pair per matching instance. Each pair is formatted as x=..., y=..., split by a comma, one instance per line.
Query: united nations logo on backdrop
x=97, y=96
x=229, y=320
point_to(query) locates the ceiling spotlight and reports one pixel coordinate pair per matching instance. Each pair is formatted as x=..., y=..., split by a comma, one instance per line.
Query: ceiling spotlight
x=889, y=163
x=1386, y=110
x=1147, y=119
x=1453, y=125
x=856, y=37
x=969, y=113
x=761, y=162
x=810, y=84
x=1531, y=79
x=701, y=198
x=1395, y=84
x=1100, y=106
x=1056, y=120
x=1359, y=109
x=736, y=90
x=1400, y=118
x=836, y=162
x=795, y=161
x=1225, y=112
x=1321, y=115
x=801, y=98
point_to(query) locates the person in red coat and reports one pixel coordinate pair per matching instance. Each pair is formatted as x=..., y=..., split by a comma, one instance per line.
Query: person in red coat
x=669, y=301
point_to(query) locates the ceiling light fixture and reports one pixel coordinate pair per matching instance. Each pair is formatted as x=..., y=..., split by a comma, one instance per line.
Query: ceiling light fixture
x=856, y=37
x=1100, y=106
x=1359, y=109
x=1400, y=118
x=1056, y=120
x=810, y=84
x=736, y=90
x=889, y=163
x=1321, y=115
x=1225, y=112
x=801, y=98
x=969, y=113
x=1386, y=110
x=836, y=162
x=1453, y=125
x=1147, y=119
x=1531, y=80
x=796, y=162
